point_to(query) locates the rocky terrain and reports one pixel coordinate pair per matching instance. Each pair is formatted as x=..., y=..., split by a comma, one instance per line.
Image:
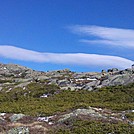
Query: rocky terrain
x=65, y=79
x=24, y=124
x=62, y=101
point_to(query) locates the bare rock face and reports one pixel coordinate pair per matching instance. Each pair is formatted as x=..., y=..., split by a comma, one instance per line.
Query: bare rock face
x=65, y=79
x=17, y=71
x=12, y=70
x=123, y=79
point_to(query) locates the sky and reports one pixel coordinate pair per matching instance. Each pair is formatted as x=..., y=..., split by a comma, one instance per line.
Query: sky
x=81, y=35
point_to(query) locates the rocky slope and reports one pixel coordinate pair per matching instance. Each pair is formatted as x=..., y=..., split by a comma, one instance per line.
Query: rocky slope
x=63, y=101
x=65, y=79
x=24, y=124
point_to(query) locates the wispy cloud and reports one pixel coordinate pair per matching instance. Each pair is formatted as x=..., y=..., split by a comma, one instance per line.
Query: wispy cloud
x=64, y=58
x=106, y=35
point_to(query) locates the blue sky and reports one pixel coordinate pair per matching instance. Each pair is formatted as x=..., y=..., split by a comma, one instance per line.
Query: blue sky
x=82, y=35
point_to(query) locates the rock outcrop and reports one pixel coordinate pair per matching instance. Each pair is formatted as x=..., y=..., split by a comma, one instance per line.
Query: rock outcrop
x=11, y=74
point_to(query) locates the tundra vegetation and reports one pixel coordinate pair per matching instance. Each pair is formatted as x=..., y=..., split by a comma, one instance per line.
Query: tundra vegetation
x=28, y=101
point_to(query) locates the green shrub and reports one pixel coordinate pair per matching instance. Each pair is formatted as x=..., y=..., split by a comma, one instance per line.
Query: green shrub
x=28, y=101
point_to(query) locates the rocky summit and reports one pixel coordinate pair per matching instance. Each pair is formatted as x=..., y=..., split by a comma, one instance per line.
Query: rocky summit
x=66, y=102
x=65, y=79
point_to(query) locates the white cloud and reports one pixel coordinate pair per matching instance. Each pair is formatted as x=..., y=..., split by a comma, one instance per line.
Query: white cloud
x=64, y=58
x=109, y=36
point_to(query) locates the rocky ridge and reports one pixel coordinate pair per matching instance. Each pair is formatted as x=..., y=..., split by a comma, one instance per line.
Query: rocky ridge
x=11, y=74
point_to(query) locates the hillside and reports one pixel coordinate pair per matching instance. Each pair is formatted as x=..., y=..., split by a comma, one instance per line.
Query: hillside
x=67, y=102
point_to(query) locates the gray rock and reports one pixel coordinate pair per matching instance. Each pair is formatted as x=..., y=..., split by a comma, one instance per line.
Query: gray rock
x=40, y=78
x=77, y=112
x=98, y=76
x=0, y=88
x=84, y=111
x=19, y=130
x=65, y=117
x=69, y=87
x=16, y=117
x=63, y=83
x=53, y=81
x=22, y=84
x=131, y=123
x=129, y=70
x=22, y=80
x=94, y=83
x=118, y=80
x=87, y=87
x=112, y=70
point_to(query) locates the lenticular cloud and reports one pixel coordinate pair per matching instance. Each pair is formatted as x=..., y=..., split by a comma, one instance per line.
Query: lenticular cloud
x=106, y=35
x=16, y=53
